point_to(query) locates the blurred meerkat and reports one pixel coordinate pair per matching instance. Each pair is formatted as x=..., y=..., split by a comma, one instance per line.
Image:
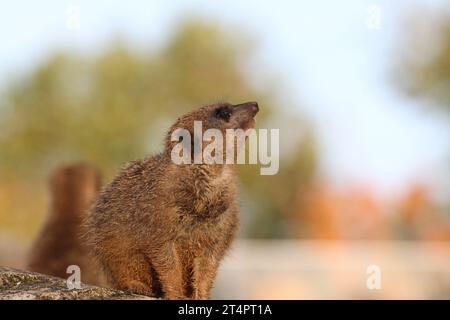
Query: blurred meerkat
x=73, y=189
x=161, y=229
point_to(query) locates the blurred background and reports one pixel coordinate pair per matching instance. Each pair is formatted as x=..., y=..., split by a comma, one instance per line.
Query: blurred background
x=360, y=91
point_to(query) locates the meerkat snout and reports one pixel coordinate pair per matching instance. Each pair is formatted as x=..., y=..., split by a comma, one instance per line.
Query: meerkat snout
x=245, y=114
x=252, y=106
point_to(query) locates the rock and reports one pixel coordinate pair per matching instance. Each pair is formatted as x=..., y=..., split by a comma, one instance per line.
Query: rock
x=24, y=285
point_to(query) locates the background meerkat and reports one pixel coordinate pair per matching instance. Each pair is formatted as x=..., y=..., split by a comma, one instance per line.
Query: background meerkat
x=161, y=229
x=73, y=189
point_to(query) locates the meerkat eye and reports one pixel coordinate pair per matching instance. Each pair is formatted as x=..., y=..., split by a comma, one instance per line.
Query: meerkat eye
x=223, y=113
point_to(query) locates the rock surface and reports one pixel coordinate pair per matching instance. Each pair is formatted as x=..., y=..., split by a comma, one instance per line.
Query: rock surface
x=24, y=285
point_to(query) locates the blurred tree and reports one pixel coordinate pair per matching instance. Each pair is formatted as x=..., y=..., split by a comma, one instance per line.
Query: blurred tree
x=423, y=64
x=420, y=218
x=277, y=193
x=114, y=107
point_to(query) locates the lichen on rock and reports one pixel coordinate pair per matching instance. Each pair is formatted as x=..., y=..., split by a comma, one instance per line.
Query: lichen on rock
x=24, y=285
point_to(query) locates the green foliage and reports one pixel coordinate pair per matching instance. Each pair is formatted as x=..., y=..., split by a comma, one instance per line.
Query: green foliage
x=424, y=65
x=115, y=107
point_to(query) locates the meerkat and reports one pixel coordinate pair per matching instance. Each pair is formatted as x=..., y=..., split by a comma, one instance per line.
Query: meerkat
x=73, y=189
x=161, y=229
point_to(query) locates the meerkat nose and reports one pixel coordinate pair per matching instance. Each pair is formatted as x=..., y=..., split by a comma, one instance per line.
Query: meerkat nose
x=253, y=105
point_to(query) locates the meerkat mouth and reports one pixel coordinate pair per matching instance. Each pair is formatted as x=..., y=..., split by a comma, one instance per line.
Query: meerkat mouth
x=250, y=124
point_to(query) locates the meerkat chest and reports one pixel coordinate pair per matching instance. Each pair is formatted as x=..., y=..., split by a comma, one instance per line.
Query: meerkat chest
x=198, y=231
x=202, y=196
x=220, y=188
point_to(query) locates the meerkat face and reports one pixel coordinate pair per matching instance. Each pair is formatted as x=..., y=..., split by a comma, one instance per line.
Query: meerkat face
x=215, y=120
x=227, y=116
x=220, y=116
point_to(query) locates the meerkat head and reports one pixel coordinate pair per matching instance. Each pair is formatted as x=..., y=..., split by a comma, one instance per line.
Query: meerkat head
x=221, y=117
x=224, y=116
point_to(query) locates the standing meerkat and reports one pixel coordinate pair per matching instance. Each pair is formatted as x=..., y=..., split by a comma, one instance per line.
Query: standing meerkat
x=73, y=189
x=160, y=228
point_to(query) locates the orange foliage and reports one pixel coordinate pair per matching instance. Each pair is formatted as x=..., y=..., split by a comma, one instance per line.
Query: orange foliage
x=322, y=213
x=418, y=212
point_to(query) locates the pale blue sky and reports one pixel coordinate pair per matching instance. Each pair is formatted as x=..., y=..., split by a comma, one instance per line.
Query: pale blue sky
x=329, y=61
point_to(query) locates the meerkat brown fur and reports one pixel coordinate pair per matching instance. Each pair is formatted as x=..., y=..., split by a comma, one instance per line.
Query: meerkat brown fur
x=73, y=189
x=160, y=228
